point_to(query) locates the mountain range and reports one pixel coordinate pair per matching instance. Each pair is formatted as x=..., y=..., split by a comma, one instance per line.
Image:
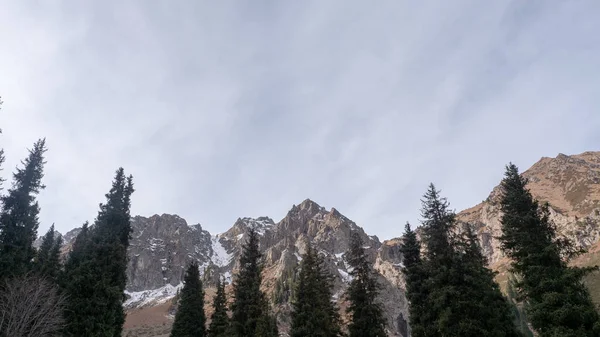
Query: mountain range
x=163, y=245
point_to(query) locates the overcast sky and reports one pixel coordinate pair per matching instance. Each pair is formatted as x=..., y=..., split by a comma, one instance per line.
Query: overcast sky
x=225, y=109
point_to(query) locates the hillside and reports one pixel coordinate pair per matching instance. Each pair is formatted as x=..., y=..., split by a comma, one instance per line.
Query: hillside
x=162, y=245
x=571, y=186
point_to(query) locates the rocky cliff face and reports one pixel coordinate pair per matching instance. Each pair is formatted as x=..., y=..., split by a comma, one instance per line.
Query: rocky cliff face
x=571, y=186
x=162, y=246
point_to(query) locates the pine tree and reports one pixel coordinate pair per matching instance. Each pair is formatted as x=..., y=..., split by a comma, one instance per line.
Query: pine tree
x=48, y=256
x=95, y=274
x=219, y=324
x=462, y=298
x=486, y=312
x=267, y=323
x=415, y=277
x=313, y=312
x=190, y=320
x=248, y=307
x=366, y=312
x=558, y=304
x=19, y=216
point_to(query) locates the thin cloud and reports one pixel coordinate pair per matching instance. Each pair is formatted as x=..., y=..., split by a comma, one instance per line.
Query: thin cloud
x=222, y=110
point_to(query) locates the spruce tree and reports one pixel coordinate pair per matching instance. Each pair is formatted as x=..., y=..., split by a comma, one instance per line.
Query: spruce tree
x=219, y=324
x=313, y=312
x=486, y=312
x=462, y=298
x=48, y=256
x=19, y=216
x=557, y=302
x=95, y=274
x=415, y=277
x=267, y=323
x=365, y=311
x=190, y=320
x=248, y=307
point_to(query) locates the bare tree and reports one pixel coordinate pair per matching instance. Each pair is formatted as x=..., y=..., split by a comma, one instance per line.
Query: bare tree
x=30, y=306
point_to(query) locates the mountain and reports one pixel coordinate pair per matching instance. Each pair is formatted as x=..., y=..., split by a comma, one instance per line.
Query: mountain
x=571, y=186
x=162, y=245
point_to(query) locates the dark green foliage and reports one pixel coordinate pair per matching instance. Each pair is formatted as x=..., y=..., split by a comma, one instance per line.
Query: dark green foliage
x=48, y=256
x=249, y=307
x=366, y=312
x=267, y=323
x=313, y=312
x=415, y=276
x=557, y=302
x=284, y=286
x=19, y=217
x=486, y=310
x=458, y=296
x=190, y=320
x=95, y=277
x=219, y=325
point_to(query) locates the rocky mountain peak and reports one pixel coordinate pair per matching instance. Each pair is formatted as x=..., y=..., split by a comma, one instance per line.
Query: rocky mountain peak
x=571, y=186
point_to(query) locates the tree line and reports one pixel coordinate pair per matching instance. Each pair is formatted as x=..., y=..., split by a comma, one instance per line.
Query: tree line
x=314, y=312
x=450, y=290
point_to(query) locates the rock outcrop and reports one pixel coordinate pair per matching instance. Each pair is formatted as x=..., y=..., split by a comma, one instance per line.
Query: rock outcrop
x=163, y=245
x=571, y=186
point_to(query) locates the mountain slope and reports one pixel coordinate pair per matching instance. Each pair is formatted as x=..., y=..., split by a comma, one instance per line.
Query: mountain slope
x=571, y=186
x=163, y=245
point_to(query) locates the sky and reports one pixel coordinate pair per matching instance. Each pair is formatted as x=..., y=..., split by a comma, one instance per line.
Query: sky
x=226, y=109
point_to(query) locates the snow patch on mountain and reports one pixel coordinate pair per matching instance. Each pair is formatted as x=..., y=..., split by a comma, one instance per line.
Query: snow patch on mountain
x=219, y=257
x=140, y=299
x=345, y=276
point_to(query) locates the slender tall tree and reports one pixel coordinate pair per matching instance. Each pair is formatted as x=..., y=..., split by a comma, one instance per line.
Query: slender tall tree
x=19, y=216
x=48, y=256
x=365, y=311
x=190, y=319
x=557, y=302
x=249, y=309
x=219, y=323
x=415, y=276
x=267, y=323
x=95, y=274
x=314, y=314
x=462, y=298
x=486, y=311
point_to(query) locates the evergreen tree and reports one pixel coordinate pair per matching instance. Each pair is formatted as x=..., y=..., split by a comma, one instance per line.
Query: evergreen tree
x=313, y=312
x=558, y=304
x=486, y=312
x=248, y=307
x=48, y=256
x=267, y=323
x=19, y=216
x=95, y=274
x=219, y=324
x=415, y=277
x=366, y=312
x=462, y=298
x=190, y=320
